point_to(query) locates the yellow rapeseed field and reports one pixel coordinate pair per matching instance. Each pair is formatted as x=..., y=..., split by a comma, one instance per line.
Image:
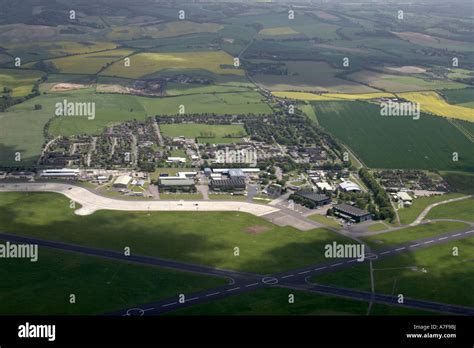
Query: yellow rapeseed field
x=433, y=103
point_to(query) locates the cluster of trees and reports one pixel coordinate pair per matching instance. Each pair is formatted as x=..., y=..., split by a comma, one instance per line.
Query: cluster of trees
x=303, y=201
x=381, y=198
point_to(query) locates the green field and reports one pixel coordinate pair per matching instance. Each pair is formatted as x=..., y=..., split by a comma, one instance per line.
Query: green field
x=396, y=142
x=205, y=132
x=143, y=64
x=90, y=63
x=100, y=285
x=459, y=96
x=379, y=226
x=198, y=237
x=408, y=234
x=20, y=82
x=274, y=301
x=310, y=76
x=408, y=215
x=445, y=278
x=401, y=83
x=331, y=222
x=463, y=210
x=460, y=182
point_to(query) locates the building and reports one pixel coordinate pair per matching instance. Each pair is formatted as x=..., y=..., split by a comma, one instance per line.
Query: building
x=60, y=173
x=314, y=197
x=324, y=186
x=176, y=160
x=349, y=186
x=405, y=198
x=228, y=185
x=236, y=173
x=351, y=213
x=122, y=181
x=207, y=171
x=174, y=185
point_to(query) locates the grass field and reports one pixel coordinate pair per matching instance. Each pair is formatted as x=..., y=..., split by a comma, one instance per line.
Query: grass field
x=184, y=196
x=459, y=181
x=400, y=83
x=20, y=82
x=325, y=220
x=198, y=237
x=205, y=132
x=463, y=210
x=162, y=30
x=310, y=76
x=379, y=226
x=405, y=235
x=445, y=278
x=408, y=215
x=433, y=103
x=274, y=301
x=50, y=49
x=458, y=96
x=330, y=96
x=143, y=64
x=90, y=63
x=100, y=285
x=396, y=142
x=278, y=31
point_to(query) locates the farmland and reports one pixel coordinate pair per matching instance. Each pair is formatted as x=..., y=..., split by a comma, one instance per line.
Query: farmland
x=95, y=62
x=205, y=133
x=143, y=64
x=396, y=142
x=433, y=103
x=20, y=82
x=310, y=76
x=330, y=96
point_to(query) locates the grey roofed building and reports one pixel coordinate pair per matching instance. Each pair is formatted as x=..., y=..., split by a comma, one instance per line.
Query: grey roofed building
x=317, y=198
x=236, y=173
x=350, y=212
x=177, y=182
x=232, y=184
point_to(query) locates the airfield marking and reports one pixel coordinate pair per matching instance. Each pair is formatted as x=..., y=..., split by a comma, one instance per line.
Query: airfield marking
x=233, y=289
x=213, y=294
x=169, y=304
x=253, y=284
x=288, y=276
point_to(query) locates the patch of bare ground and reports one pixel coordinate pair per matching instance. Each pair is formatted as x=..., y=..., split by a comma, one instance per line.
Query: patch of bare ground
x=61, y=87
x=257, y=229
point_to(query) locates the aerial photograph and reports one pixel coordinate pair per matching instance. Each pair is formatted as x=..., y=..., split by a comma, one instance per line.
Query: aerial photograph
x=226, y=166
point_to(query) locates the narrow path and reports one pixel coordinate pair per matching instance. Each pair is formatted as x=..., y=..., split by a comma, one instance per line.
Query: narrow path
x=431, y=206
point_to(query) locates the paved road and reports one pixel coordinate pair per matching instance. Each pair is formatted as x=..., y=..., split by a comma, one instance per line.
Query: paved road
x=431, y=206
x=241, y=282
x=92, y=202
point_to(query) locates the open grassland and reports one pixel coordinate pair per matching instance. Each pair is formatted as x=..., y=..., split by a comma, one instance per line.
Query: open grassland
x=408, y=215
x=199, y=237
x=278, y=31
x=21, y=132
x=310, y=76
x=445, y=278
x=175, y=89
x=205, y=132
x=463, y=210
x=433, y=103
x=143, y=64
x=405, y=235
x=458, y=96
x=162, y=30
x=330, y=96
x=396, y=142
x=20, y=82
x=100, y=285
x=401, y=83
x=435, y=41
x=274, y=301
x=90, y=63
x=51, y=49
x=460, y=181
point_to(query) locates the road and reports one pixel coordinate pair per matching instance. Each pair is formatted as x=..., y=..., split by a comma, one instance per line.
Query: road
x=240, y=282
x=431, y=206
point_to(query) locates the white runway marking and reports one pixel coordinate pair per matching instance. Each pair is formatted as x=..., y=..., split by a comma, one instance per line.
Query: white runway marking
x=213, y=294
x=169, y=304
x=288, y=276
